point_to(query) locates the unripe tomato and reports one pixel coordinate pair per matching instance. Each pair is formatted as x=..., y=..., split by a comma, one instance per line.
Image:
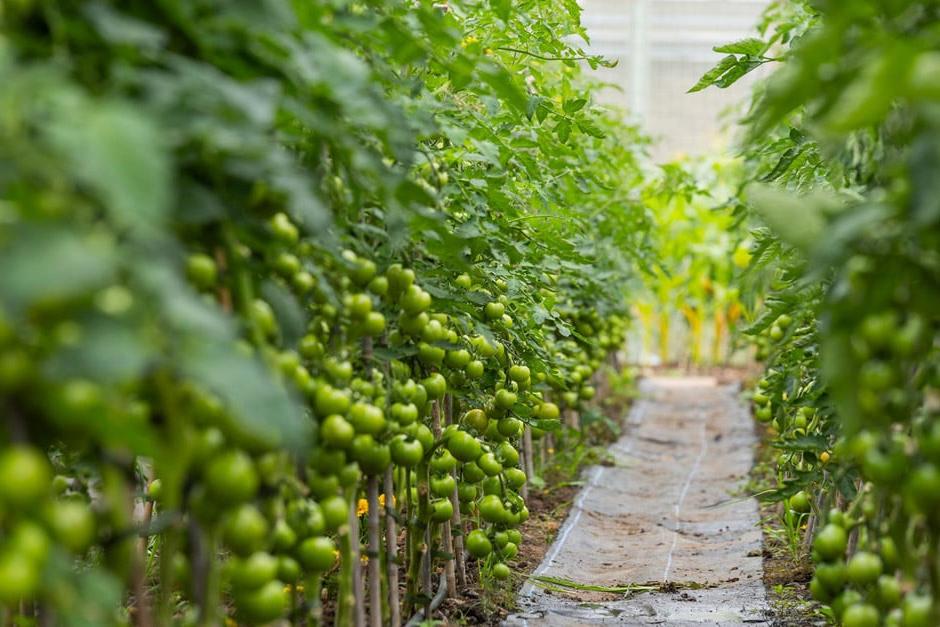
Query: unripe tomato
x=415, y=300
x=305, y=517
x=519, y=373
x=373, y=458
x=283, y=229
x=72, y=524
x=831, y=575
x=515, y=477
x=476, y=419
x=888, y=593
x=435, y=385
x=916, y=610
x=288, y=570
x=263, y=605
x=458, y=358
x=923, y=489
x=489, y=464
x=443, y=485
x=501, y=571
x=587, y=392
x=509, y=551
x=548, y=411
x=230, y=478
x=472, y=473
x=399, y=279
x=25, y=476
x=800, y=502
x=406, y=451
x=491, y=509
x=317, y=554
x=19, y=576
x=373, y=324
x=335, y=512
x=509, y=427
x=363, y=272
x=494, y=310
x=336, y=431
x=861, y=615
x=507, y=454
x=819, y=591
x=378, y=286
x=464, y=446
x=367, y=418
x=463, y=281
x=252, y=572
x=477, y=544
x=467, y=492
x=864, y=568
x=282, y=536
x=245, y=530
x=31, y=540
x=442, y=461
x=201, y=271
x=262, y=316
x=830, y=542
x=441, y=510
x=474, y=369
x=505, y=399
x=328, y=400
x=404, y=413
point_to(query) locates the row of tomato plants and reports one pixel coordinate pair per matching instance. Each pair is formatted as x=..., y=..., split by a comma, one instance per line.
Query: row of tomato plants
x=289, y=289
x=843, y=276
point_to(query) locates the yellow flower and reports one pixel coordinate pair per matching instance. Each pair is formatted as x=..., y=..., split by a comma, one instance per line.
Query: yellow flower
x=362, y=506
x=468, y=41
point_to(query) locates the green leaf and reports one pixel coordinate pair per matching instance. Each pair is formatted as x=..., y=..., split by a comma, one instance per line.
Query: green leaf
x=574, y=105
x=751, y=46
x=49, y=264
x=120, y=154
x=708, y=79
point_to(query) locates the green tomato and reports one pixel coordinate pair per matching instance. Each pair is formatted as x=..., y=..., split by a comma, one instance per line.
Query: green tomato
x=367, y=418
x=317, y=554
x=263, y=605
x=231, y=478
x=491, y=509
x=253, y=572
x=472, y=473
x=19, y=576
x=443, y=485
x=441, y=510
x=864, y=568
x=474, y=369
x=489, y=464
x=337, y=432
x=494, y=310
x=831, y=542
x=373, y=458
x=464, y=446
x=245, y=530
x=476, y=419
x=25, y=476
x=201, y=271
x=477, y=544
x=435, y=385
x=406, y=451
x=442, y=461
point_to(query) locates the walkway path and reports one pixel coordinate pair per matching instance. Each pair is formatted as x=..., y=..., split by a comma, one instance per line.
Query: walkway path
x=664, y=513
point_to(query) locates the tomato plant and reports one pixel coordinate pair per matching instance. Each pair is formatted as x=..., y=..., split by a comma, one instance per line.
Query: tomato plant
x=259, y=261
x=843, y=293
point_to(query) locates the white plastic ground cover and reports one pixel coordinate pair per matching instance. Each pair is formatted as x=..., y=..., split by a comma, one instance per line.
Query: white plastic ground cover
x=669, y=511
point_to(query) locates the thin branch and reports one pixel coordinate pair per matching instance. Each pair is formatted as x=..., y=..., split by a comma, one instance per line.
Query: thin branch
x=543, y=58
